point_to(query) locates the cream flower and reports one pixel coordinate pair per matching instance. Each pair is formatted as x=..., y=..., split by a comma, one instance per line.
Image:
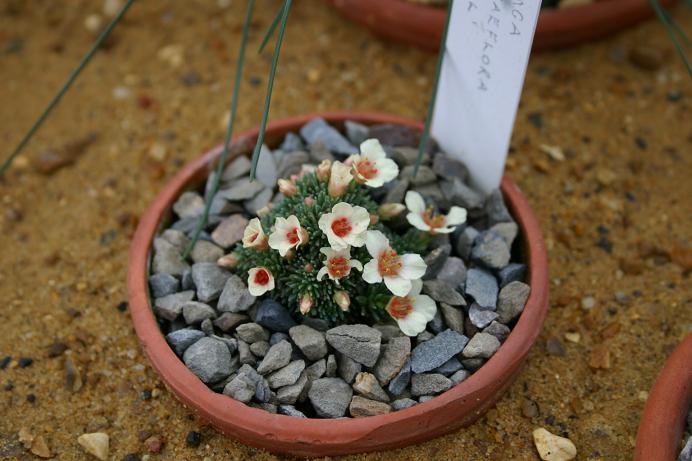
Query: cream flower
x=259, y=281
x=413, y=311
x=372, y=167
x=338, y=264
x=339, y=179
x=423, y=218
x=397, y=271
x=345, y=226
x=254, y=236
x=287, y=235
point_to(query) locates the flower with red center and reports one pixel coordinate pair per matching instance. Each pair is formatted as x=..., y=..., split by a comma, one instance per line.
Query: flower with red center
x=254, y=236
x=423, y=218
x=372, y=167
x=259, y=281
x=287, y=235
x=413, y=311
x=338, y=264
x=345, y=226
x=397, y=271
x=339, y=179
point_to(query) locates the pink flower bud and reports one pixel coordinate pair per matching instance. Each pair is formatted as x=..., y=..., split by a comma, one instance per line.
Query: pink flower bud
x=286, y=187
x=230, y=260
x=323, y=170
x=342, y=300
x=309, y=201
x=339, y=180
x=306, y=303
x=390, y=210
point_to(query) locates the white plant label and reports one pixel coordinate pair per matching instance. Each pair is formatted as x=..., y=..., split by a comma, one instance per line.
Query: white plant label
x=488, y=47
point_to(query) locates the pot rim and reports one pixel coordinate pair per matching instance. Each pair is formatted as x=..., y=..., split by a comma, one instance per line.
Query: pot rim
x=663, y=419
x=311, y=437
x=421, y=25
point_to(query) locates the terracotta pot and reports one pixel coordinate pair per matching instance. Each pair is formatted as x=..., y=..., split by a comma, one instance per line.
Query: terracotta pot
x=663, y=420
x=421, y=25
x=456, y=408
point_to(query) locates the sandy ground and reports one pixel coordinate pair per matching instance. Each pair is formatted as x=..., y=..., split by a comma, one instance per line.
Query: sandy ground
x=624, y=186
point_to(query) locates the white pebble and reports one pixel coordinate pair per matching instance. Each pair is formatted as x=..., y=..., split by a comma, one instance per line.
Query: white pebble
x=93, y=23
x=552, y=447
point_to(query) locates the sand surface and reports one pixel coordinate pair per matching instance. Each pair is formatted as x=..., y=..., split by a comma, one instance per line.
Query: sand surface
x=624, y=185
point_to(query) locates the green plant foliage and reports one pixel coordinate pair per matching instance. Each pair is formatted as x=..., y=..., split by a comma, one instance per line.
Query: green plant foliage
x=296, y=276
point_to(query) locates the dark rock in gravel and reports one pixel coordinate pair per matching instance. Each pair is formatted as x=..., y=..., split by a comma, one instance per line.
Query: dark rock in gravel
x=513, y=272
x=331, y=366
x=182, y=339
x=229, y=231
x=388, y=331
x=193, y=439
x=259, y=349
x=555, y=347
x=480, y=316
x=401, y=381
x=459, y=194
x=231, y=343
x=56, y=349
x=367, y=385
x=397, y=191
x=291, y=143
x=259, y=201
x=317, y=370
x=465, y=241
x=241, y=189
x=450, y=367
x=278, y=356
x=186, y=282
x=499, y=330
x=453, y=317
x=361, y=407
x=251, y=333
x=310, y=342
x=241, y=388
x=274, y=316
x=276, y=338
x=356, y=132
x=433, y=353
x=207, y=327
x=163, y=285
x=235, y=296
x=238, y=167
x=429, y=384
x=245, y=355
x=490, y=250
x=482, y=287
x=402, y=404
x=432, y=193
x=263, y=392
x=437, y=324
x=459, y=376
x=507, y=230
x=686, y=453
x=267, y=172
x=453, y=272
x=169, y=307
x=394, y=356
x=446, y=167
x=316, y=323
x=318, y=153
x=205, y=252
x=209, y=280
x=209, y=359
x=443, y=293
x=495, y=208
x=394, y=135
x=511, y=301
x=359, y=342
x=287, y=375
x=318, y=130
x=435, y=260
x=189, y=205
x=228, y=321
x=405, y=155
x=288, y=395
x=482, y=345
x=290, y=410
x=425, y=175
x=473, y=364
x=195, y=312
x=330, y=397
x=167, y=259
x=291, y=164
x=348, y=368
x=175, y=238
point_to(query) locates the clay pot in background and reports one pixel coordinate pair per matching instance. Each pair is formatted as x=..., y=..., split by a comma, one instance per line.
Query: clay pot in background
x=456, y=408
x=422, y=25
x=663, y=419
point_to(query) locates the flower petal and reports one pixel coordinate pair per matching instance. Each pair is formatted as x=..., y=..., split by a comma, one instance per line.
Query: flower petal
x=388, y=170
x=370, y=272
x=456, y=216
x=416, y=287
x=376, y=243
x=416, y=220
x=322, y=273
x=412, y=266
x=397, y=285
x=424, y=305
x=414, y=202
x=372, y=149
x=413, y=324
x=354, y=263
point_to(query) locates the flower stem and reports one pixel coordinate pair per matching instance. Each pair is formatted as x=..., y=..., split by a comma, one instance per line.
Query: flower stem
x=270, y=86
x=673, y=31
x=229, y=132
x=270, y=31
x=66, y=86
x=425, y=135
